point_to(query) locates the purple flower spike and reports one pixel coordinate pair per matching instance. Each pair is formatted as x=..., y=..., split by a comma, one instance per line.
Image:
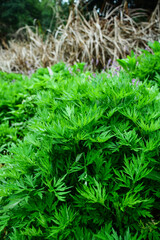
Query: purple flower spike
x=133, y=81
x=31, y=71
x=115, y=73
x=70, y=70
x=109, y=62
x=137, y=83
x=97, y=61
x=94, y=75
x=92, y=61
x=118, y=68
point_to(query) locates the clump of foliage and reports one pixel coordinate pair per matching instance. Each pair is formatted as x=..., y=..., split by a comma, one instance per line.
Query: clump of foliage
x=146, y=66
x=15, y=107
x=17, y=94
x=88, y=165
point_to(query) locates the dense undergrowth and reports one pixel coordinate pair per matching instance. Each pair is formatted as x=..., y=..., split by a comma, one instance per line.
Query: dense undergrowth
x=80, y=152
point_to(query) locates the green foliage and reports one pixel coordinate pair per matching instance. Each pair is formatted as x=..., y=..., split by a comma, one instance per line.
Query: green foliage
x=107, y=234
x=129, y=64
x=84, y=162
x=146, y=66
x=16, y=107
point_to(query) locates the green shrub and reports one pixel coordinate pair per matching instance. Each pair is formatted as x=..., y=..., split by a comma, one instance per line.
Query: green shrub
x=88, y=165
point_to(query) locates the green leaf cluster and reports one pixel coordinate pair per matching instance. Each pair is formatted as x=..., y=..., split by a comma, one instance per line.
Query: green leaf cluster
x=146, y=66
x=86, y=165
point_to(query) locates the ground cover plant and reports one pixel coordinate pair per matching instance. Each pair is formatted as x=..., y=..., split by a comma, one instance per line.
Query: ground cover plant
x=86, y=165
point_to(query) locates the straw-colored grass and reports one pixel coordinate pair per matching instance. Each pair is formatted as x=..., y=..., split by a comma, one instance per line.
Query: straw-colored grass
x=95, y=42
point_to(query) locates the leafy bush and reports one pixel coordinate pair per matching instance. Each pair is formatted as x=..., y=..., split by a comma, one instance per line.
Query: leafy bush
x=88, y=165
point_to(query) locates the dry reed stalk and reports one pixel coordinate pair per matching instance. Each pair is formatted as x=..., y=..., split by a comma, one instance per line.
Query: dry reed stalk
x=26, y=56
x=95, y=42
x=99, y=40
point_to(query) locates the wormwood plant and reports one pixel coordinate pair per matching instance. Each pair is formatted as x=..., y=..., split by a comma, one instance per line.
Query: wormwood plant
x=13, y=112
x=88, y=165
x=145, y=66
x=17, y=105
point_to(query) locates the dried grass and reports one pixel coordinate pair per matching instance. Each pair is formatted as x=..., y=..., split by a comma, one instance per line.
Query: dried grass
x=95, y=42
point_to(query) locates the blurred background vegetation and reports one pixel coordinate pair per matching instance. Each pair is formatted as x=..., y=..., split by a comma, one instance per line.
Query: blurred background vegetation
x=49, y=14
x=46, y=14
x=41, y=33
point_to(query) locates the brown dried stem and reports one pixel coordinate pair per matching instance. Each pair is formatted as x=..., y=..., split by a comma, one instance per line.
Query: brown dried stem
x=94, y=42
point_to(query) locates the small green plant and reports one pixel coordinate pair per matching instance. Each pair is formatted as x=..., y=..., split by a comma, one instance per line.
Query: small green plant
x=129, y=64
